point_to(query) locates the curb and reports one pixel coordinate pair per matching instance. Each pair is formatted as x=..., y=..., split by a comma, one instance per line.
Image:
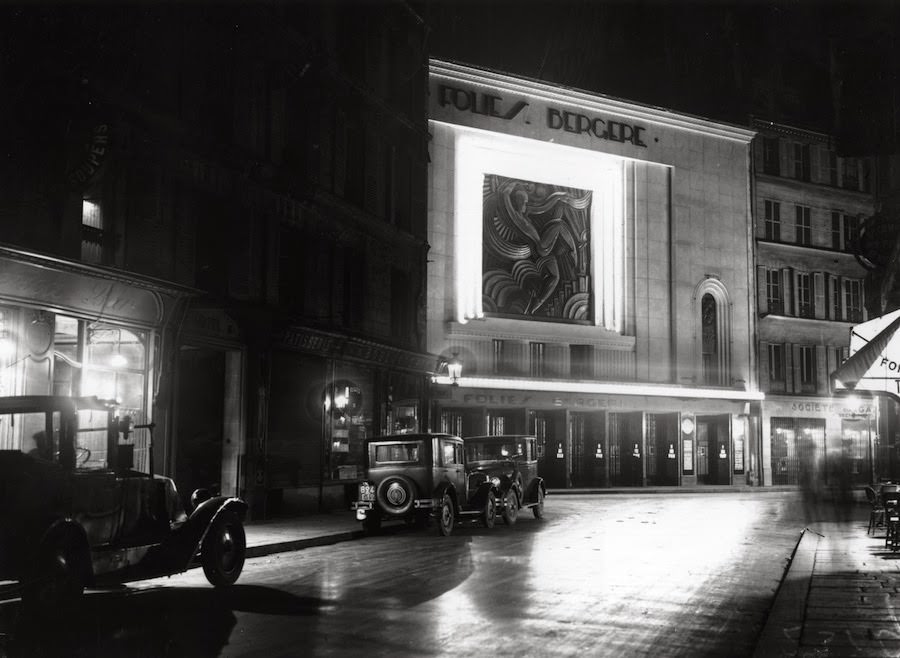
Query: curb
x=783, y=629
x=262, y=550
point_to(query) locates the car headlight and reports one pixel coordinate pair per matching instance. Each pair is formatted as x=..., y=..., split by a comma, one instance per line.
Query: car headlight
x=495, y=481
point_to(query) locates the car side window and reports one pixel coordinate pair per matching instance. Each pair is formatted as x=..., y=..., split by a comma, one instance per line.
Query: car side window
x=451, y=453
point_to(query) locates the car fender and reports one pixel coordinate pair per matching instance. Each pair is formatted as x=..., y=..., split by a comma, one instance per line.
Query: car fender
x=70, y=530
x=445, y=488
x=188, y=538
x=479, y=498
x=531, y=496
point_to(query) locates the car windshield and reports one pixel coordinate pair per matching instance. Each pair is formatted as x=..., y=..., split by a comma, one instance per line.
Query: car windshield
x=495, y=450
x=397, y=452
x=27, y=432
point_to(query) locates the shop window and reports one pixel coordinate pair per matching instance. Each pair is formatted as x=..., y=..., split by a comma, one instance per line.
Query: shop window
x=798, y=451
x=803, y=226
x=773, y=220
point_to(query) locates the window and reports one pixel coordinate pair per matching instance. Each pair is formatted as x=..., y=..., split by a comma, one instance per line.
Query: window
x=801, y=161
x=771, y=164
x=832, y=169
x=498, y=363
x=773, y=220
x=807, y=364
x=844, y=231
x=92, y=234
x=803, y=227
x=354, y=297
x=537, y=359
x=709, y=327
x=850, y=171
x=776, y=362
x=853, y=300
x=397, y=452
x=581, y=361
x=774, y=298
x=804, y=295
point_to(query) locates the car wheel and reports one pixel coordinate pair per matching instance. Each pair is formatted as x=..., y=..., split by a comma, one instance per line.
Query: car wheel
x=447, y=516
x=539, y=508
x=372, y=523
x=511, y=507
x=395, y=495
x=489, y=514
x=58, y=575
x=224, y=549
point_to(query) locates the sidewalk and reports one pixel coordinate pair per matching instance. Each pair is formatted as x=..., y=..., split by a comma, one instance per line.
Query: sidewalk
x=840, y=595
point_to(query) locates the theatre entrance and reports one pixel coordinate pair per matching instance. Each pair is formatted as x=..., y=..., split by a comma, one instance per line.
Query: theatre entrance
x=626, y=449
x=589, y=449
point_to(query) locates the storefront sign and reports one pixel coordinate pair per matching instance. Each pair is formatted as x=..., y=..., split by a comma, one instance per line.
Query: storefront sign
x=863, y=409
x=687, y=450
x=494, y=105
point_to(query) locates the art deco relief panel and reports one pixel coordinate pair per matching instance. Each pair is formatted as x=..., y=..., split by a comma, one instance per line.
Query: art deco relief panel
x=536, y=260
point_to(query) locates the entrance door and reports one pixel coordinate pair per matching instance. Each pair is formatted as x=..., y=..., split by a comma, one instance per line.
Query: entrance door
x=588, y=449
x=200, y=423
x=713, y=450
x=549, y=429
x=662, y=449
x=798, y=450
x=626, y=449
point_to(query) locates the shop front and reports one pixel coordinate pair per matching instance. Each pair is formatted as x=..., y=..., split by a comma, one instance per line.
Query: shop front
x=323, y=396
x=820, y=442
x=71, y=329
x=603, y=440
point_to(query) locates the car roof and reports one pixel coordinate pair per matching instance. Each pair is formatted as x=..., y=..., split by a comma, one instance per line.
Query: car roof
x=499, y=437
x=412, y=436
x=39, y=403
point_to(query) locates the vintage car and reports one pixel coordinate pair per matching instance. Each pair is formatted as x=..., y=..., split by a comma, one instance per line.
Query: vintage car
x=412, y=477
x=510, y=461
x=76, y=513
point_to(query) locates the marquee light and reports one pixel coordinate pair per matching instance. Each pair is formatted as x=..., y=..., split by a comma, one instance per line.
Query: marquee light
x=657, y=390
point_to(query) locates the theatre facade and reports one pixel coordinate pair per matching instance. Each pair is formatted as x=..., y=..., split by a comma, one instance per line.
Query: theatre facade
x=590, y=269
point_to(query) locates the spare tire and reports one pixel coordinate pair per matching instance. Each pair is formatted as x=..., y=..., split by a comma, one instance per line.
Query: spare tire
x=396, y=494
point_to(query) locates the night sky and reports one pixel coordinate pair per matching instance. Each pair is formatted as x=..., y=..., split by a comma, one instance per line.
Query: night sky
x=826, y=66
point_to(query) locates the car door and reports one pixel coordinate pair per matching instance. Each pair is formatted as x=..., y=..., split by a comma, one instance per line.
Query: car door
x=451, y=468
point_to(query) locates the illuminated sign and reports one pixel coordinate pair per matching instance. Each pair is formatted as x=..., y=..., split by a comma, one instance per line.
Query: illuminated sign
x=493, y=105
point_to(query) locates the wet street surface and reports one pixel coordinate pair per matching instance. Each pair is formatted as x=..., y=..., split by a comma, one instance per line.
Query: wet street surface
x=600, y=575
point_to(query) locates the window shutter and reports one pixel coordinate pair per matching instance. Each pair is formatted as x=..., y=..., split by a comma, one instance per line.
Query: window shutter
x=340, y=153
x=821, y=352
x=763, y=352
x=819, y=298
x=762, y=302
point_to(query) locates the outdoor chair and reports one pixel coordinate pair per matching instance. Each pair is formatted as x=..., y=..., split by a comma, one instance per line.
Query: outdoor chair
x=890, y=497
x=876, y=513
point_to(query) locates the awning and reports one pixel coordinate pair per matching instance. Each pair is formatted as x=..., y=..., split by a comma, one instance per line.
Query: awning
x=874, y=363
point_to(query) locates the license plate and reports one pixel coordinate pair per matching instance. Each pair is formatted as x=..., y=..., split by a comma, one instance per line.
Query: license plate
x=366, y=492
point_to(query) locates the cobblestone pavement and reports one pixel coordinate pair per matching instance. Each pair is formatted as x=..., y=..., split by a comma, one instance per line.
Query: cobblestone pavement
x=840, y=595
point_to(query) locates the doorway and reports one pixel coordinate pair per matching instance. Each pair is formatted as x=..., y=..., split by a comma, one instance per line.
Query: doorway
x=626, y=449
x=713, y=450
x=549, y=428
x=662, y=449
x=589, y=449
x=208, y=425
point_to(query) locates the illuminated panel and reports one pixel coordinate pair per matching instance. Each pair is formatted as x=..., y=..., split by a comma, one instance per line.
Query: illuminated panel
x=605, y=389
x=479, y=153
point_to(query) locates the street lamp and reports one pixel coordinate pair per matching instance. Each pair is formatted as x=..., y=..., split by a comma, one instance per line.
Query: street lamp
x=454, y=370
